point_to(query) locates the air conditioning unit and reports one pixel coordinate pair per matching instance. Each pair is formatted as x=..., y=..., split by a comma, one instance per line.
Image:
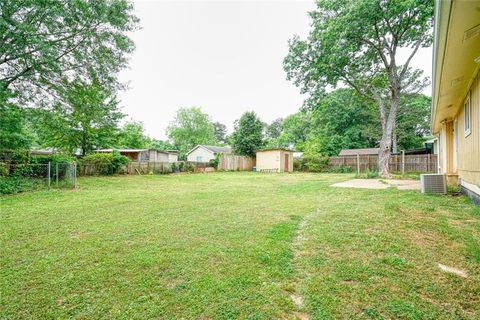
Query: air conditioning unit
x=433, y=183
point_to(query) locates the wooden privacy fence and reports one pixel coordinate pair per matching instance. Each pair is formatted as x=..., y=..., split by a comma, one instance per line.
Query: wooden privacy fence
x=397, y=163
x=231, y=162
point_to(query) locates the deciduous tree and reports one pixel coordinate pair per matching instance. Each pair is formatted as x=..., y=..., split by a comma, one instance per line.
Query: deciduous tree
x=343, y=120
x=220, y=132
x=247, y=137
x=86, y=118
x=44, y=43
x=191, y=127
x=357, y=43
x=296, y=128
x=132, y=135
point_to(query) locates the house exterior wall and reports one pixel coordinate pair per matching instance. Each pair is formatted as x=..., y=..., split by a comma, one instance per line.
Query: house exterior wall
x=172, y=157
x=161, y=157
x=200, y=155
x=468, y=157
x=460, y=152
x=274, y=159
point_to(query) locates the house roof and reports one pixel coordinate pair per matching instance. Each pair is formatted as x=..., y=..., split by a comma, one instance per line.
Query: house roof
x=275, y=149
x=46, y=151
x=120, y=150
x=214, y=149
x=362, y=152
x=136, y=150
x=456, y=52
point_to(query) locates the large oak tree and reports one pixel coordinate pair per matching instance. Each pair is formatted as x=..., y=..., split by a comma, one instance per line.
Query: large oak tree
x=357, y=43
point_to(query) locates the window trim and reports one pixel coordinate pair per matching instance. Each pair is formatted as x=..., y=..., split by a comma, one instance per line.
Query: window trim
x=467, y=102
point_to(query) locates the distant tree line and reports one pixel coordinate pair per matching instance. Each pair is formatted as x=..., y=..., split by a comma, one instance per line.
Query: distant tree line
x=59, y=65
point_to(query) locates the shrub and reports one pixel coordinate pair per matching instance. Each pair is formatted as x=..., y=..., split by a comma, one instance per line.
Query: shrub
x=105, y=163
x=214, y=162
x=118, y=161
x=3, y=169
x=313, y=163
x=181, y=166
x=342, y=169
x=189, y=167
x=16, y=184
x=53, y=159
x=368, y=174
x=297, y=165
x=24, y=170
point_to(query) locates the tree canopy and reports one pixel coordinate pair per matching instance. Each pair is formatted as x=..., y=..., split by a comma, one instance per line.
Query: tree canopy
x=44, y=45
x=343, y=120
x=132, y=135
x=220, y=132
x=14, y=128
x=296, y=128
x=87, y=118
x=191, y=127
x=247, y=137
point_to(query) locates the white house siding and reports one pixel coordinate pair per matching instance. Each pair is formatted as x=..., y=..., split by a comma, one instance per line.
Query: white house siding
x=200, y=155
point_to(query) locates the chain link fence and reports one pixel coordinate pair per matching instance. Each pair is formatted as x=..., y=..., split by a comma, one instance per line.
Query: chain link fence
x=21, y=177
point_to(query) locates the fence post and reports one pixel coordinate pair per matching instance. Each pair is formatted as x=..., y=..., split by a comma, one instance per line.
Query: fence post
x=56, y=172
x=358, y=163
x=48, y=173
x=428, y=162
x=403, y=162
x=74, y=175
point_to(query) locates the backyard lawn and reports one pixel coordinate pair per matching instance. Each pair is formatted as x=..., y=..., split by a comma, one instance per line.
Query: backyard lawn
x=237, y=245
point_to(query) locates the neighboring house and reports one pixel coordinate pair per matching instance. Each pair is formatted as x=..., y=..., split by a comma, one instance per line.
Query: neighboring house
x=204, y=153
x=280, y=160
x=42, y=152
x=362, y=152
x=146, y=155
x=51, y=151
x=456, y=92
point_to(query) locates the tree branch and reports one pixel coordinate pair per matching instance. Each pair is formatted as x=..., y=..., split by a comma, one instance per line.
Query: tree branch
x=407, y=63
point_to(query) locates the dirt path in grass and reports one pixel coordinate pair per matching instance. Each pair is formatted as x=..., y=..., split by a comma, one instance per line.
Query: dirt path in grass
x=301, y=273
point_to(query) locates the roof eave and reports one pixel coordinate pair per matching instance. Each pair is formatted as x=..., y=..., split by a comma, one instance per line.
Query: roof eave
x=442, y=7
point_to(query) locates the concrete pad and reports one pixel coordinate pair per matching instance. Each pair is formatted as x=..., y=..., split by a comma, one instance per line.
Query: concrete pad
x=404, y=184
x=362, y=184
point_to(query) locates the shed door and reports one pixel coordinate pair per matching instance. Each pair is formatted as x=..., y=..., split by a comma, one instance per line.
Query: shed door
x=286, y=162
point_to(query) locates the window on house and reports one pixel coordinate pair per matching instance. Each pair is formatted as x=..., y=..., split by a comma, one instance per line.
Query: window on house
x=199, y=158
x=467, y=115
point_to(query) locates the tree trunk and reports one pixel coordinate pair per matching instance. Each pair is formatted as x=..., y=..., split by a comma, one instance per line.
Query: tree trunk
x=386, y=142
x=384, y=153
x=394, y=143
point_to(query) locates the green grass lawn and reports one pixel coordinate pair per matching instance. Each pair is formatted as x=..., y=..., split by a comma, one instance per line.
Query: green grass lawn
x=237, y=245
